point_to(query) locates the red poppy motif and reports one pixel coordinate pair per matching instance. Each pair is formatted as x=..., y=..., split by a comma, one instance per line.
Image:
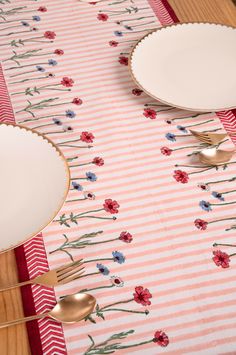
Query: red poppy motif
x=142, y=296
x=68, y=82
x=149, y=113
x=137, y=92
x=77, y=101
x=42, y=9
x=161, y=338
x=92, y=3
x=221, y=259
x=87, y=137
x=111, y=206
x=98, y=161
x=59, y=52
x=113, y=43
x=126, y=237
x=181, y=176
x=102, y=17
x=166, y=151
x=123, y=60
x=201, y=224
x=49, y=34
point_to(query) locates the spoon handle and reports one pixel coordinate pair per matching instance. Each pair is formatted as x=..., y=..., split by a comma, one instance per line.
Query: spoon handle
x=22, y=320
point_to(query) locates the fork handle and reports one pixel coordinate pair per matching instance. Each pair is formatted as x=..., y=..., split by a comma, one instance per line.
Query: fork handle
x=22, y=320
x=19, y=284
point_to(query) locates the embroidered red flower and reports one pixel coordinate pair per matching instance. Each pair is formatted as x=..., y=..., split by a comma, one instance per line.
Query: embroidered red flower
x=113, y=43
x=123, y=60
x=111, y=206
x=42, y=9
x=102, y=17
x=137, y=92
x=77, y=101
x=98, y=161
x=59, y=52
x=92, y=3
x=221, y=259
x=142, y=295
x=161, y=338
x=126, y=237
x=68, y=82
x=201, y=224
x=49, y=34
x=149, y=113
x=181, y=176
x=87, y=137
x=166, y=151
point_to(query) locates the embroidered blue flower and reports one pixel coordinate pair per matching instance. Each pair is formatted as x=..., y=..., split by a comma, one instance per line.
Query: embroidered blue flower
x=36, y=18
x=52, y=62
x=170, y=137
x=103, y=269
x=118, y=257
x=57, y=121
x=118, y=33
x=39, y=68
x=91, y=176
x=76, y=186
x=70, y=114
x=24, y=23
x=218, y=195
x=182, y=129
x=206, y=206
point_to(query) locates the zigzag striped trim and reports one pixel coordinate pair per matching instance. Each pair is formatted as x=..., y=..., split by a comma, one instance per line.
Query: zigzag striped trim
x=6, y=110
x=163, y=11
x=228, y=119
x=51, y=332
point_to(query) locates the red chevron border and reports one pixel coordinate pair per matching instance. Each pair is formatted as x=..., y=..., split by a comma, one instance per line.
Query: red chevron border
x=163, y=11
x=6, y=110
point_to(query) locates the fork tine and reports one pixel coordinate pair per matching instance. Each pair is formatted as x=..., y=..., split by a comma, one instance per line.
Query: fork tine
x=65, y=267
x=72, y=278
x=203, y=137
x=69, y=276
x=69, y=269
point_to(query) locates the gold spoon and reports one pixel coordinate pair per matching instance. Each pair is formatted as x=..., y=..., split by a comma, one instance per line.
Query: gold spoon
x=213, y=156
x=70, y=309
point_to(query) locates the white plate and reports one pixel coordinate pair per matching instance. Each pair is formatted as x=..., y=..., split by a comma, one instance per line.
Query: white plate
x=34, y=181
x=190, y=66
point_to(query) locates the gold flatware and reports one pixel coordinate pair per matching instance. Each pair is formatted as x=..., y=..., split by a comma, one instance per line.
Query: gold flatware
x=54, y=277
x=70, y=309
x=213, y=156
x=209, y=138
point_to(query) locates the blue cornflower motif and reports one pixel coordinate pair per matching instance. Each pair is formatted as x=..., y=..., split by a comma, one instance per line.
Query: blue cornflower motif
x=170, y=137
x=91, y=176
x=52, y=62
x=218, y=195
x=206, y=206
x=182, y=129
x=103, y=269
x=118, y=33
x=39, y=68
x=36, y=18
x=24, y=23
x=70, y=114
x=118, y=257
x=76, y=186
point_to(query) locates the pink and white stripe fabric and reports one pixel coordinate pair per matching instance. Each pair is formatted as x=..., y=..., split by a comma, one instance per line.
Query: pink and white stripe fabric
x=193, y=300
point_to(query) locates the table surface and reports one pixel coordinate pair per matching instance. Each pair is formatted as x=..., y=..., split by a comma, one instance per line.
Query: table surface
x=14, y=341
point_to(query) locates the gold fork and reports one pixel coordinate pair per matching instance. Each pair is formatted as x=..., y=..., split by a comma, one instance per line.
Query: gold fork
x=54, y=277
x=209, y=138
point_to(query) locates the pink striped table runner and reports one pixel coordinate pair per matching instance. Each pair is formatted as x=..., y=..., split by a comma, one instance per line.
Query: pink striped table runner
x=156, y=229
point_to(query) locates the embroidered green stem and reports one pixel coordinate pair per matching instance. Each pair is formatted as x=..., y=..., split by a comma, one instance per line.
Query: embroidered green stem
x=222, y=219
x=14, y=33
x=25, y=72
x=219, y=181
x=37, y=106
x=136, y=19
x=31, y=79
x=223, y=204
x=77, y=199
x=232, y=254
x=143, y=24
x=116, y=303
x=199, y=124
x=224, y=245
x=191, y=116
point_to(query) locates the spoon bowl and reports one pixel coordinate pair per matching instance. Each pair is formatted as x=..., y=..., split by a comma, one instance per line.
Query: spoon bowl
x=214, y=156
x=73, y=308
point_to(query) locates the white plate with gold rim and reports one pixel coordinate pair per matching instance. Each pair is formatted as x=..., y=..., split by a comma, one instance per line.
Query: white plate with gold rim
x=34, y=182
x=190, y=66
